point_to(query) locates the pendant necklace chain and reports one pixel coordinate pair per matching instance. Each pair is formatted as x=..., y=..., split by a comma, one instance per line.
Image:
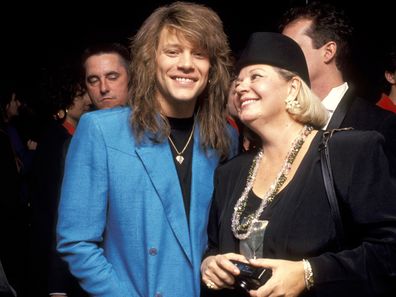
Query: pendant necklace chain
x=179, y=158
x=242, y=227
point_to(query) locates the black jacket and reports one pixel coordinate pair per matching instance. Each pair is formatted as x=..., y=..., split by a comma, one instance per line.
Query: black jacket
x=50, y=273
x=301, y=226
x=353, y=111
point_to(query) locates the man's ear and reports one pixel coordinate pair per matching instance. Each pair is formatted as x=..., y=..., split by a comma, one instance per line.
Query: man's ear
x=390, y=77
x=330, y=50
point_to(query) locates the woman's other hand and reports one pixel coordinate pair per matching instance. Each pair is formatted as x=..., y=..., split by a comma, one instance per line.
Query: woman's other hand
x=287, y=278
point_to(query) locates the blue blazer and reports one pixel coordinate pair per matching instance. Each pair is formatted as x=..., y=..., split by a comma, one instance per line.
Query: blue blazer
x=122, y=226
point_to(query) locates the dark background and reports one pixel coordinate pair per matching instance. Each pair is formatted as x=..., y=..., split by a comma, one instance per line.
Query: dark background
x=38, y=39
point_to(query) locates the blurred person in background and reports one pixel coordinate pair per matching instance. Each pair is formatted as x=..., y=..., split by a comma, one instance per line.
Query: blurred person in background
x=67, y=101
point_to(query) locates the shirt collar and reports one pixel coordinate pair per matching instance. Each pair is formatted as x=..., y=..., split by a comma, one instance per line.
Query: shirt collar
x=69, y=127
x=334, y=97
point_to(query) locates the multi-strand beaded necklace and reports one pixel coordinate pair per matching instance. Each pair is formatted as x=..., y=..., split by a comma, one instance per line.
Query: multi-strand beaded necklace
x=243, y=229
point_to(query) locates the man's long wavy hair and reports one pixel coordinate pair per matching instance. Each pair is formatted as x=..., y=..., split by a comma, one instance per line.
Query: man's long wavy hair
x=201, y=26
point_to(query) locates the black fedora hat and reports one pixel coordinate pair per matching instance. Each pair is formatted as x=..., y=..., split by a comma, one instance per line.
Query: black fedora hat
x=274, y=49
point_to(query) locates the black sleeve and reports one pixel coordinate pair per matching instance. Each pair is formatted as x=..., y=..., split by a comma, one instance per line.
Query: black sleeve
x=388, y=129
x=367, y=266
x=213, y=223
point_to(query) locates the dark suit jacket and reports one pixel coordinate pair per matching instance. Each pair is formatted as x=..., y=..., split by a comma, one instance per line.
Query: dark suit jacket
x=12, y=238
x=5, y=288
x=361, y=114
x=300, y=223
x=50, y=272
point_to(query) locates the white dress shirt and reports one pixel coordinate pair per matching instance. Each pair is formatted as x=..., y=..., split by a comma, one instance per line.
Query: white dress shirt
x=332, y=99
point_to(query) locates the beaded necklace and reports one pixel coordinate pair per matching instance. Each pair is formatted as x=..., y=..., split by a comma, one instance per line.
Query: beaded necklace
x=243, y=229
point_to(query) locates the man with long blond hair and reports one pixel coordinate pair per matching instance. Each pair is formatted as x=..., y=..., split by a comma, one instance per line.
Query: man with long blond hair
x=138, y=179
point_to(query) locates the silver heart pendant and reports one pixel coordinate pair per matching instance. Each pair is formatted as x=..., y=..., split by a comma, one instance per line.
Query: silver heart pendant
x=179, y=159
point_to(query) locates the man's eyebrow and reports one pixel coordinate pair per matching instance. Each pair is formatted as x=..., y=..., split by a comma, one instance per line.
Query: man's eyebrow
x=112, y=72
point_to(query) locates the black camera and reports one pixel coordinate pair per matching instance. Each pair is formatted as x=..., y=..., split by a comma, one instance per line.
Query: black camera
x=251, y=278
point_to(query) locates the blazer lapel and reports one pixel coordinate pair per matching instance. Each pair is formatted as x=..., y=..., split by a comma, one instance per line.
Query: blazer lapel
x=203, y=166
x=159, y=165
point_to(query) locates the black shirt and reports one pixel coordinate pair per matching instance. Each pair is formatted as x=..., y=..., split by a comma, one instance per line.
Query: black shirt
x=180, y=134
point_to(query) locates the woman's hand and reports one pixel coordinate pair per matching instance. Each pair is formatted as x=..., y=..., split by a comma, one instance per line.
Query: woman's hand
x=287, y=278
x=218, y=271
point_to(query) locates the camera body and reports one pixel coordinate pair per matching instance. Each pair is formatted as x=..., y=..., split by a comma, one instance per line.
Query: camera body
x=251, y=278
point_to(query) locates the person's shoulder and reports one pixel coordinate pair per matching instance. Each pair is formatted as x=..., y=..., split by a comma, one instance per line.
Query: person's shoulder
x=111, y=117
x=356, y=139
x=54, y=133
x=107, y=120
x=115, y=112
x=370, y=109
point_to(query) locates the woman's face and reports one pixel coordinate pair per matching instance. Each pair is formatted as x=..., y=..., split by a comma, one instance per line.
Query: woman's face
x=13, y=106
x=261, y=94
x=81, y=104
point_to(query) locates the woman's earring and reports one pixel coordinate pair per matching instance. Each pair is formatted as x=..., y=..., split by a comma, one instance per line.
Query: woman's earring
x=292, y=103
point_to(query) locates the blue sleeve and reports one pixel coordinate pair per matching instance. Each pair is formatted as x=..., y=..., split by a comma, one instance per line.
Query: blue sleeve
x=83, y=211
